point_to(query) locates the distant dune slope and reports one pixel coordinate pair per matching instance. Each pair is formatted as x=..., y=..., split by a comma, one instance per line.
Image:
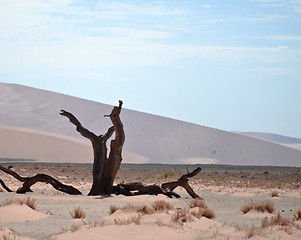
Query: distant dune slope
x=273, y=137
x=149, y=138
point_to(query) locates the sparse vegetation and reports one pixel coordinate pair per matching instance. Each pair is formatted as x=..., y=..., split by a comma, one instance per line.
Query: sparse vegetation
x=182, y=216
x=77, y=213
x=30, y=202
x=297, y=215
x=140, y=209
x=167, y=174
x=134, y=219
x=197, y=203
x=274, y=194
x=202, y=210
x=266, y=206
x=161, y=206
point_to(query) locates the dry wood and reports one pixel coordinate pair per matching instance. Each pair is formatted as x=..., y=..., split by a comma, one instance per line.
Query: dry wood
x=29, y=181
x=138, y=188
x=104, y=168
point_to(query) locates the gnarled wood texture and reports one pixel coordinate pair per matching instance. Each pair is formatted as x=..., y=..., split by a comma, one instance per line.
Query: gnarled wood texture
x=104, y=168
x=29, y=181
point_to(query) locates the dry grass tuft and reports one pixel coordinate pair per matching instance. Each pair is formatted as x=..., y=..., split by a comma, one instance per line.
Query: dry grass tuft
x=274, y=194
x=285, y=224
x=182, y=216
x=297, y=215
x=197, y=203
x=113, y=208
x=266, y=206
x=140, y=209
x=77, y=213
x=253, y=231
x=30, y=202
x=167, y=174
x=203, y=212
x=145, y=210
x=161, y=205
x=134, y=219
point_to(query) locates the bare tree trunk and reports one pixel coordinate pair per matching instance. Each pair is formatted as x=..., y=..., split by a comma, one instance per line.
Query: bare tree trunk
x=104, y=168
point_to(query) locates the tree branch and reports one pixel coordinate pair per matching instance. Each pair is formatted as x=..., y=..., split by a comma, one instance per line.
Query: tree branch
x=29, y=181
x=83, y=131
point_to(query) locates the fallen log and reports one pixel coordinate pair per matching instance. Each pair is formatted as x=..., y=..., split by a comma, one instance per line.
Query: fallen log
x=138, y=188
x=29, y=181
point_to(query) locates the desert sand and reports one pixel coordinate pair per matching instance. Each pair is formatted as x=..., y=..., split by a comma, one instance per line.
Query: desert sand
x=223, y=189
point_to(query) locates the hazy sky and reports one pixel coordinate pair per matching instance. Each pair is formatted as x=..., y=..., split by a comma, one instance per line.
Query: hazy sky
x=232, y=65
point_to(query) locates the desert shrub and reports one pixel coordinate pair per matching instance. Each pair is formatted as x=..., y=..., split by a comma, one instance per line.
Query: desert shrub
x=134, y=219
x=278, y=220
x=77, y=213
x=274, y=194
x=181, y=216
x=140, y=209
x=30, y=202
x=161, y=205
x=266, y=206
x=145, y=210
x=297, y=215
x=113, y=208
x=203, y=212
x=254, y=231
x=197, y=203
x=167, y=174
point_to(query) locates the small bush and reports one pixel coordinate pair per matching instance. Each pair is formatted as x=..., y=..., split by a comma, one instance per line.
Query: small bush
x=203, y=212
x=167, y=174
x=113, y=208
x=297, y=215
x=280, y=221
x=145, y=210
x=77, y=213
x=134, y=219
x=140, y=209
x=274, y=194
x=161, y=206
x=30, y=202
x=197, y=203
x=266, y=206
x=182, y=216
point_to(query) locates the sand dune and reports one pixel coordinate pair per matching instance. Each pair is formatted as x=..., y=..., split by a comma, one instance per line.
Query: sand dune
x=149, y=138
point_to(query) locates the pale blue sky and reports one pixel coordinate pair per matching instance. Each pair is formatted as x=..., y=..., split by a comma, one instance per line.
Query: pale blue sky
x=232, y=65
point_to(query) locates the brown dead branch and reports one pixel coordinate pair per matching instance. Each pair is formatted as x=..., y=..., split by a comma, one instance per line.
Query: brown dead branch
x=29, y=181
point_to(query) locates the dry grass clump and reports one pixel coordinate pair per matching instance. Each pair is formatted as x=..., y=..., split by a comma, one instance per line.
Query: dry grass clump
x=274, y=194
x=161, y=205
x=197, y=203
x=297, y=215
x=182, y=216
x=30, y=202
x=266, y=206
x=167, y=174
x=77, y=213
x=253, y=231
x=134, y=219
x=202, y=211
x=285, y=223
x=140, y=209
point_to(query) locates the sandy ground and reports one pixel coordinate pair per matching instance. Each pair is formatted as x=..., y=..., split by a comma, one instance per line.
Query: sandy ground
x=224, y=192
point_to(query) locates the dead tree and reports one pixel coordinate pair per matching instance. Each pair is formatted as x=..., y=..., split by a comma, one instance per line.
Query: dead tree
x=104, y=168
x=29, y=181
